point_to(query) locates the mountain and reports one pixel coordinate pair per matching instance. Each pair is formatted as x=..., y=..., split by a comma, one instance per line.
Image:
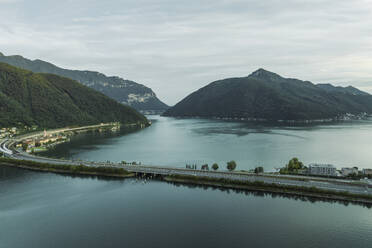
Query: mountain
x=264, y=95
x=50, y=101
x=347, y=90
x=124, y=91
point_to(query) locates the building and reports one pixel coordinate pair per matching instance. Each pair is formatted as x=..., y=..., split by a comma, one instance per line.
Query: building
x=322, y=170
x=30, y=143
x=48, y=140
x=349, y=171
x=367, y=172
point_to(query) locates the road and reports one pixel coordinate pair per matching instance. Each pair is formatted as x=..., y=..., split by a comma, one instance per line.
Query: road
x=322, y=183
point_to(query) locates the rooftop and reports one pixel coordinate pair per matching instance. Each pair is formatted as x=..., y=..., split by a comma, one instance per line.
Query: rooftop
x=322, y=165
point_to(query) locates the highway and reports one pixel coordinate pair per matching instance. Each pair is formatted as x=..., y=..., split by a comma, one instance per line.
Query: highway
x=322, y=183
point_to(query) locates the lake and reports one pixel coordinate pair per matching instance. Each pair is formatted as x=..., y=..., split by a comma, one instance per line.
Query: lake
x=45, y=210
x=177, y=142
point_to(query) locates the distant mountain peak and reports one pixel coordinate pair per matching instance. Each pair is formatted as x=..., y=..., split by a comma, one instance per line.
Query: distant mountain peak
x=260, y=71
x=264, y=74
x=1, y=54
x=264, y=95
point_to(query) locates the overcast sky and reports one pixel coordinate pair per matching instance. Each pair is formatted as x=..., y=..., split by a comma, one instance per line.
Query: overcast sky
x=178, y=46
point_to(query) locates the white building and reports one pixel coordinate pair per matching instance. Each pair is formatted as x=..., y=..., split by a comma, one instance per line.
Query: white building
x=349, y=171
x=322, y=170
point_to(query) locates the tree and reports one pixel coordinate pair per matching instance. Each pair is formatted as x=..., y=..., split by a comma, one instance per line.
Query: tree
x=24, y=147
x=293, y=166
x=215, y=166
x=258, y=169
x=231, y=165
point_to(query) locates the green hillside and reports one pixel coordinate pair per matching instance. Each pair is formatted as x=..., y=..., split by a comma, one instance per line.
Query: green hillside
x=265, y=95
x=124, y=91
x=50, y=101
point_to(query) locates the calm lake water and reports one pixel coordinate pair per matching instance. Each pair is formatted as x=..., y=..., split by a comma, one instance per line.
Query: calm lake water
x=177, y=142
x=44, y=210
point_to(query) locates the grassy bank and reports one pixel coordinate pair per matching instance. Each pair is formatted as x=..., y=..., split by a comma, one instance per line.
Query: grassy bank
x=66, y=168
x=258, y=185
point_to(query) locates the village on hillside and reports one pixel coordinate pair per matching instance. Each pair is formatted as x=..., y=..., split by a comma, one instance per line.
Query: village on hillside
x=42, y=143
x=33, y=145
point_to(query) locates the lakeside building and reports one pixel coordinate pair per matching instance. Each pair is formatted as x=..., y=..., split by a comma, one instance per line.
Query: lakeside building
x=42, y=142
x=322, y=170
x=349, y=171
x=8, y=132
x=49, y=140
x=367, y=172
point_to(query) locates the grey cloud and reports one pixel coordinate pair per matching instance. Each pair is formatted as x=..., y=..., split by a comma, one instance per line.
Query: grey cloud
x=176, y=47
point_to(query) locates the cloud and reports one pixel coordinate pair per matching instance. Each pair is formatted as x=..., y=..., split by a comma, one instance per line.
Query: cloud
x=8, y=1
x=176, y=47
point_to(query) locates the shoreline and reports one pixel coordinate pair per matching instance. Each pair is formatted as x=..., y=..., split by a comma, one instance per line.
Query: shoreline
x=67, y=169
x=69, y=132
x=262, y=120
x=64, y=172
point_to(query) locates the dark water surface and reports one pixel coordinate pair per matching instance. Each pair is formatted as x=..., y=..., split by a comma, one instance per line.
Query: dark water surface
x=47, y=210
x=176, y=142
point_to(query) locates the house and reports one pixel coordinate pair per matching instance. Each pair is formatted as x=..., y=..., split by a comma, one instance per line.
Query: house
x=29, y=142
x=322, y=170
x=349, y=171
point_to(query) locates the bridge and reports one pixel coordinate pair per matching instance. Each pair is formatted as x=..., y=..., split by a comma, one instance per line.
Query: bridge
x=286, y=180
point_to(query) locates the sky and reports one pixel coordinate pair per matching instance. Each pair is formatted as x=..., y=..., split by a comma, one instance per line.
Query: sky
x=178, y=46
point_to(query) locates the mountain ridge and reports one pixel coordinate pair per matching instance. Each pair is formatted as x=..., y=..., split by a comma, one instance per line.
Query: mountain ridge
x=326, y=86
x=51, y=101
x=124, y=91
x=264, y=95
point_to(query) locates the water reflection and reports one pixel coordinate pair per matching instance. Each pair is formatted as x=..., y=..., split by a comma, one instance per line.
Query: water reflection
x=10, y=176
x=272, y=195
x=72, y=211
x=87, y=141
x=9, y=173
